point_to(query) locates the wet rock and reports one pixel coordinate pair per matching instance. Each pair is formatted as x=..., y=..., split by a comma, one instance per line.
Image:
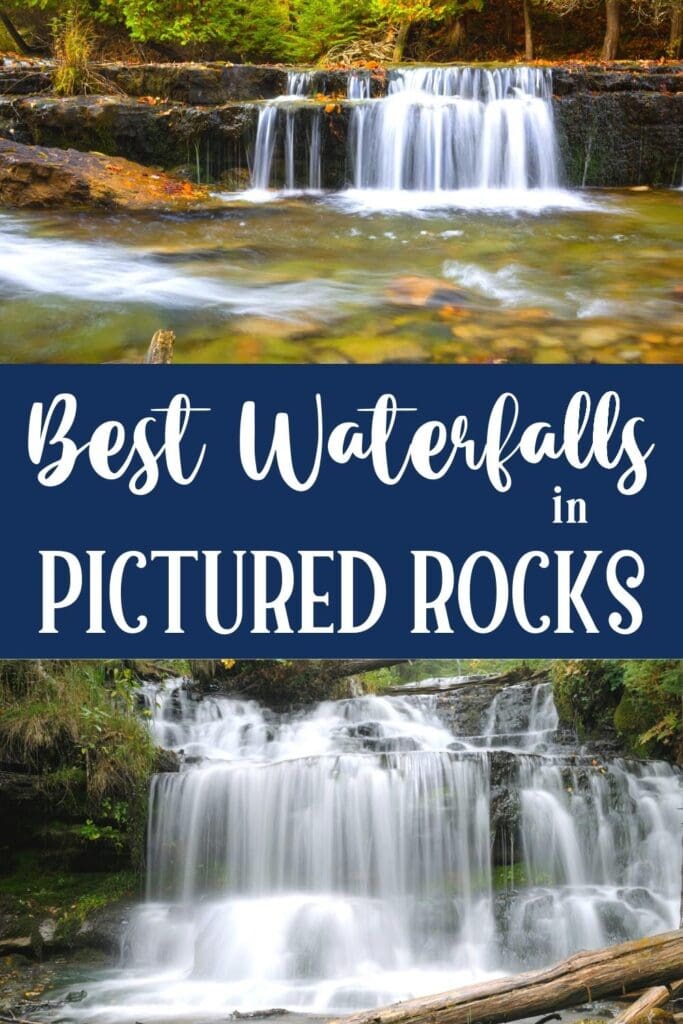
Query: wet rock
x=463, y=710
x=576, y=78
x=618, y=139
x=76, y=997
x=103, y=929
x=204, y=140
x=503, y=766
x=392, y=745
x=33, y=176
x=166, y=760
x=371, y=730
x=430, y=293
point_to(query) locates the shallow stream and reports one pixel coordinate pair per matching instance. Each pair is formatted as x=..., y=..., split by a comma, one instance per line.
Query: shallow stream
x=353, y=277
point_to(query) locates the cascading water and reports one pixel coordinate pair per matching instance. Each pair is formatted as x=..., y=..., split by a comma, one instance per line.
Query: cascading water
x=283, y=134
x=366, y=851
x=441, y=129
x=437, y=130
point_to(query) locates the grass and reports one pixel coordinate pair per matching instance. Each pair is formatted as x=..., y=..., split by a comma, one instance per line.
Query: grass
x=73, y=726
x=416, y=671
x=74, y=42
x=31, y=892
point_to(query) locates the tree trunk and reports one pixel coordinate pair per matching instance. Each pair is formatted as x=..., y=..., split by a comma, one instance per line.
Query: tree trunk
x=583, y=978
x=507, y=23
x=610, y=46
x=400, y=41
x=344, y=669
x=528, y=32
x=676, y=37
x=456, y=35
x=650, y=1000
x=18, y=39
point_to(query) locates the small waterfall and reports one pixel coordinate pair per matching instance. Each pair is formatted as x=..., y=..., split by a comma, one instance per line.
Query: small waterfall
x=365, y=851
x=514, y=723
x=289, y=129
x=441, y=129
x=359, y=85
x=437, y=129
x=600, y=847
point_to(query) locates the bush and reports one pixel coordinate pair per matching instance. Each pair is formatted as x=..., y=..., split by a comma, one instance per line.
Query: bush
x=641, y=700
x=650, y=714
x=74, y=41
x=73, y=725
x=587, y=693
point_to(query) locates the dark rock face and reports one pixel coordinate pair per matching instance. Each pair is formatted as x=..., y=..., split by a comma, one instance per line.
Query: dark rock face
x=616, y=128
x=166, y=135
x=571, y=79
x=617, y=139
x=463, y=710
x=104, y=928
x=209, y=84
x=201, y=84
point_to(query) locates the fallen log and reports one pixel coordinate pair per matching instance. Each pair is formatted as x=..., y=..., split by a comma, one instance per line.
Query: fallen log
x=652, y=998
x=515, y=675
x=583, y=978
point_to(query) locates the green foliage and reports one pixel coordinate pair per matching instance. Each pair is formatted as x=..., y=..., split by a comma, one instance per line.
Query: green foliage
x=74, y=727
x=32, y=891
x=413, y=11
x=319, y=26
x=650, y=714
x=73, y=45
x=258, y=29
x=642, y=700
x=587, y=693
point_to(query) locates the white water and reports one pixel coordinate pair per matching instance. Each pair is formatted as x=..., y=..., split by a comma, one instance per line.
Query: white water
x=460, y=137
x=342, y=858
x=291, y=133
x=451, y=128
x=113, y=273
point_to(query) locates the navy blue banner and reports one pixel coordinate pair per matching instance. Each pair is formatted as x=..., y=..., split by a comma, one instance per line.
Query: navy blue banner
x=379, y=511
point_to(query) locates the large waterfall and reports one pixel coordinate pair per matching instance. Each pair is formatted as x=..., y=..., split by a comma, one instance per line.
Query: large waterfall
x=436, y=129
x=376, y=848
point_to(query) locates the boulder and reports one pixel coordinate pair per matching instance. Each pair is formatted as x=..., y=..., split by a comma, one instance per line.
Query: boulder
x=33, y=176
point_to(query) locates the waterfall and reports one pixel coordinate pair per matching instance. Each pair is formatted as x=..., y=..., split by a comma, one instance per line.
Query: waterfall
x=451, y=128
x=373, y=849
x=287, y=128
x=436, y=130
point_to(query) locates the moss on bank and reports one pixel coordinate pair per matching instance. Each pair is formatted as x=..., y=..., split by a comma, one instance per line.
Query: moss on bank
x=76, y=759
x=32, y=894
x=639, y=701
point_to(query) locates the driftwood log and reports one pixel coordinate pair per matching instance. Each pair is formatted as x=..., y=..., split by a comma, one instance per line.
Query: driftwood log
x=583, y=978
x=651, y=999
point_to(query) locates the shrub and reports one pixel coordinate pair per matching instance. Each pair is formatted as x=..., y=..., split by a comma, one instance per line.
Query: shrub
x=587, y=693
x=650, y=714
x=74, y=41
x=74, y=726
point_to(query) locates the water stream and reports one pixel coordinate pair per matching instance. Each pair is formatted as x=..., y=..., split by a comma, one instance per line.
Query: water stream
x=423, y=219
x=373, y=849
x=437, y=130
